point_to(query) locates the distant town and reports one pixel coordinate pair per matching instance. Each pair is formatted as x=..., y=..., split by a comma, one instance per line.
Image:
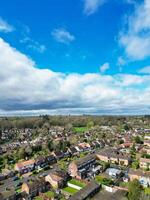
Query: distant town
x=75, y=158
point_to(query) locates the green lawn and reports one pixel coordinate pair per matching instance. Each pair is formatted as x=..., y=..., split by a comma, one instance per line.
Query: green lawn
x=18, y=190
x=80, y=129
x=49, y=194
x=62, y=165
x=104, y=181
x=38, y=198
x=124, y=184
x=77, y=182
x=147, y=191
x=70, y=190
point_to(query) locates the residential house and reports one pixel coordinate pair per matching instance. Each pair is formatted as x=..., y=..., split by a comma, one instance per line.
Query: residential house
x=147, y=143
x=51, y=159
x=142, y=176
x=97, y=144
x=2, y=177
x=147, y=137
x=57, y=178
x=95, y=171
x=79, y=149
x=145, y=150
x=25, y=166
x=113, y=172
x=58, y=154
x=80, y=167
x=124, y=159
x=8, y=173
x=103, y=156
x=40, y=162
x=113, y=156
x=87, y=192
x=85, y=146
x=145, y=163
x=126, y=145
x=67, y=153
x=35, y=186
x=73, y=151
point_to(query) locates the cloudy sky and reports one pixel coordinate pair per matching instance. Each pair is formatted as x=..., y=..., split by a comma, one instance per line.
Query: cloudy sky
x=74, y=57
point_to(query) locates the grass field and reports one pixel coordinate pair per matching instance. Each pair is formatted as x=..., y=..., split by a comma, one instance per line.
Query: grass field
x=78, y=183
x=147, y=191
x=80, y=129
x=49, y=194
x=70, y=190
x=38, y=198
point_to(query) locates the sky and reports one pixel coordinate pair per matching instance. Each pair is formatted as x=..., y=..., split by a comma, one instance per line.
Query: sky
x=74, y=57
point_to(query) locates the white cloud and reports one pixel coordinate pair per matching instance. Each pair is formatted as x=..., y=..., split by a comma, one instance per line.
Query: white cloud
x=25, y=89
x=32, y=44
x=121, y=61
x=39, y=47
x=131, y=80
x=136, y=40
x=5, y=27
x=62, y=35
x=145, y=70
x=104, y=67
x=91, y=6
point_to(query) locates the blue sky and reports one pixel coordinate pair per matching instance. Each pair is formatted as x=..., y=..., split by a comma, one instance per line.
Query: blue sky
x=79, y=56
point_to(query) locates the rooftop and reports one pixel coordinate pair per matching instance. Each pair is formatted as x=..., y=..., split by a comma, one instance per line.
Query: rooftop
x=139, y=172
x=85, y=159
x=85, y=192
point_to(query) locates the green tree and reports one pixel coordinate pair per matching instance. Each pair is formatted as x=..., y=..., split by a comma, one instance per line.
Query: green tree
x=50, y=145
x=135, y=164
x=21, y=153
x=90, y=124
x=126, y=127
x=120, y=141
x=138, y=140
x=135, y=190
x=28, y=151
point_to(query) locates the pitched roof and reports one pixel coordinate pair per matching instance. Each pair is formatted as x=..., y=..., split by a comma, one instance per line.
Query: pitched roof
x=113, y=153
x=139, y=172
x=35, y=183
x=25, y=163
x=58, y=174
x=86, y=191
x=145, y=160
x=85, y=159
x=55, y=177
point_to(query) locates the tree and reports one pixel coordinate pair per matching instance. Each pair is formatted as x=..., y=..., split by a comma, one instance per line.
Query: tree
x=126, y=127
x=138, y=140
x=36, y=148
x=62, y=145
x=69, y=126
x=135, y=164
x=28, y=151
x=90, y=124
x=21, y=153
x=50, y=145
x=135, y=190
x=120, y=141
